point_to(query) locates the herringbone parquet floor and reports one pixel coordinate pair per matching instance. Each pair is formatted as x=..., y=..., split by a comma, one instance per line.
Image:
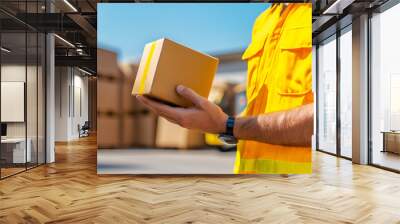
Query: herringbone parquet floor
x=69, y=191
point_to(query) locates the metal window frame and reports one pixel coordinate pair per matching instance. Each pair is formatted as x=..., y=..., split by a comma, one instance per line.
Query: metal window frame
x=339, y=32
x=317, y=92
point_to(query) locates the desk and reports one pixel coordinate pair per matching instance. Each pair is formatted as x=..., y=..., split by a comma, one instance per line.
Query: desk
x=13, y=150
x=391, y=141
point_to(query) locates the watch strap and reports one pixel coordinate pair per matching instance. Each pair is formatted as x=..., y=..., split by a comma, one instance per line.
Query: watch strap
x=230, y=123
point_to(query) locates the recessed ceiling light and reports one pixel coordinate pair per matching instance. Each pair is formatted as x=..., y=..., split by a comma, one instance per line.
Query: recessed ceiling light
x=64, y=40
x=70, y=5
x=337, y=7
x=84, y=71
x=5, y=50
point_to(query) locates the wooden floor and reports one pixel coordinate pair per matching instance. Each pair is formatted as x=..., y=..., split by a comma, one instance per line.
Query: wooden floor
x=5, y=172
x=70, y=191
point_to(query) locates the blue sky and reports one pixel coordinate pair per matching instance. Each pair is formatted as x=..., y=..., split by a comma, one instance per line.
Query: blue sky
x=212, y=28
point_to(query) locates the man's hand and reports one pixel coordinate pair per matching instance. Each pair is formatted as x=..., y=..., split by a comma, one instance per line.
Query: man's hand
x=292, y=127
x=204, y=115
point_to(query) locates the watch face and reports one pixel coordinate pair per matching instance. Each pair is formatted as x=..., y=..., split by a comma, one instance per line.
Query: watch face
x=228, y=139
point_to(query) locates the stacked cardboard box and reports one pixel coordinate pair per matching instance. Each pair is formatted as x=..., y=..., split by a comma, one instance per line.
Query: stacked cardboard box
x=170, y=135
x=107, y=94
x=128, y=119
x=109, y=130
x=122, y=122
x=129, y=103
x=107, y=63
x=146, y=129
x=139, y=124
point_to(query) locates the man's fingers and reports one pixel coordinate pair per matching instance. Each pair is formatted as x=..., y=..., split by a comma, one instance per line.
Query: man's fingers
x=164, y=110
x=189, y=94
x=171, y=120
x=143, y=101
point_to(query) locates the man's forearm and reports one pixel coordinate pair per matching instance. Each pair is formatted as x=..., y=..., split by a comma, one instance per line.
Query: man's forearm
x=292, y=127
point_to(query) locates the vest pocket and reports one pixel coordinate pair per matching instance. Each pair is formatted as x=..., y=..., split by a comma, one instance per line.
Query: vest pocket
x=286, y=101
x=294, y=94
x=294, y=62
x=296, y=38
x=255, y=48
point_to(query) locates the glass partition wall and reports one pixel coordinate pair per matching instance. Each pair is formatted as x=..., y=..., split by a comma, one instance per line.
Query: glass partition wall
x=22, y=88
x=13, y=89
x=345, y=93
x=334, y=94
x=385, y=89
x=334, y=105
x=326, y=77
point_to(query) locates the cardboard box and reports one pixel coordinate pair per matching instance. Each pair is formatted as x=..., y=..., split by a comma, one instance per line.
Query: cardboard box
x=146, y=129
x=108, y=132
x=166, y=64
x=108, y=95
x=170, y=135
x=129, y=103
x=128, y=71
x=217, y=92
x=107, y=64
x=129, y=131
x=223, y=94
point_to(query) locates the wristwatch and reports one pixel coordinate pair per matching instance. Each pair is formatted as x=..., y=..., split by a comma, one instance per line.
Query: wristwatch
x=227, y=137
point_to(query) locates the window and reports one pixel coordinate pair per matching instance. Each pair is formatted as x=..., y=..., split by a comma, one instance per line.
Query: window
x=385, y=89
x=327, y=95
x=346, y=92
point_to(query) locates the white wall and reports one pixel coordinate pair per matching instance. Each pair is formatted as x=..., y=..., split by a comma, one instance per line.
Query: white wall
x=79, y=117
x=62, y=81
x=12, y=73
x=70, y=83
x=13, y=101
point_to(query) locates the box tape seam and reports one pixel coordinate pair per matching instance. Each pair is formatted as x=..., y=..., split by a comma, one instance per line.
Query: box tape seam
x=146, y=68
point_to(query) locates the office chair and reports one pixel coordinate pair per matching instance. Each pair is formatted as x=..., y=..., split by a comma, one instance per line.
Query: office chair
x=84, y=130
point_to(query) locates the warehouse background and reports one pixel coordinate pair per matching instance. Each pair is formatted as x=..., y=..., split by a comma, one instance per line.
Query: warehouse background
x=130, y=138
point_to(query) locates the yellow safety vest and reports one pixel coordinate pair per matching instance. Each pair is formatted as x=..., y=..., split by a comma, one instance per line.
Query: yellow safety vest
x=279, y=78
